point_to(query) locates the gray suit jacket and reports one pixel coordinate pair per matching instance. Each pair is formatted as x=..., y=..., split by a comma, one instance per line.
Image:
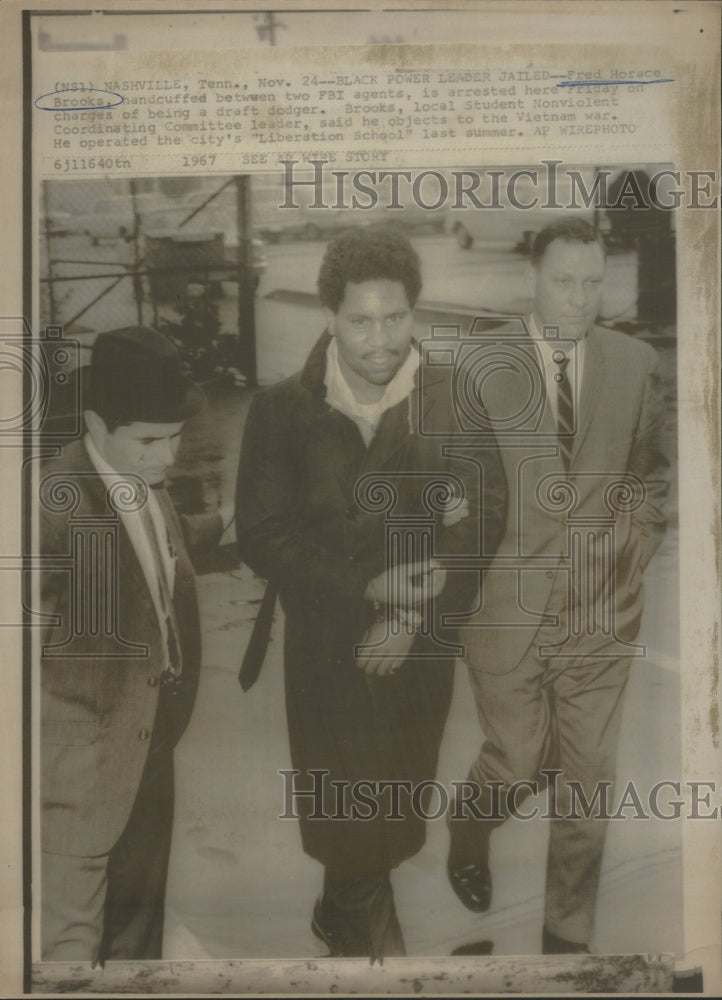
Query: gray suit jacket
x=100, y=671
x=605, y=516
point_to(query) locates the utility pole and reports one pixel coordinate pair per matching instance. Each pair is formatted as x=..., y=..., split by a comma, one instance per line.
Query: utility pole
x=267, y=29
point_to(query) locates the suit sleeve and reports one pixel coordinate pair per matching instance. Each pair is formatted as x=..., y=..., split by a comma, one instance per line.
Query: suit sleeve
x=479, y=534
x=269, y=519
x=648, y=462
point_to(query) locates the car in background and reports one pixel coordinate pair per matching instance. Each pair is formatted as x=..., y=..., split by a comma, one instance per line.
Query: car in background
x=508, y=226
x=305, y=223
x=114, y=217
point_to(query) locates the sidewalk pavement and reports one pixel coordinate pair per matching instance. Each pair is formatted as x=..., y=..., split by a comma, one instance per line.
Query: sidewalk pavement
x=240, y=885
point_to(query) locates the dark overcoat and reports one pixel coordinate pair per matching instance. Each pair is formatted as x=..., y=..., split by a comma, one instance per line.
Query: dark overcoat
x=319, y=515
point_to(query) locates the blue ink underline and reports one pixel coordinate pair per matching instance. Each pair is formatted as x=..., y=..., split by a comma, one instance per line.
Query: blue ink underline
x=610, y=83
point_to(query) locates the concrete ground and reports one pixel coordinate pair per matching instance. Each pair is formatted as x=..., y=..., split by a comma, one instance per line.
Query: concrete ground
x=240, y=886
x=239, y=883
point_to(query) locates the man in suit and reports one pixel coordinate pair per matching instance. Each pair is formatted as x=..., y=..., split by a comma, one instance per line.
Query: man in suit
x=120, y=654
x=577, y=416
x=337, y=469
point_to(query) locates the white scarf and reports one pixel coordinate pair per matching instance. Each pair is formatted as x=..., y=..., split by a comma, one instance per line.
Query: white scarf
x=366, y=416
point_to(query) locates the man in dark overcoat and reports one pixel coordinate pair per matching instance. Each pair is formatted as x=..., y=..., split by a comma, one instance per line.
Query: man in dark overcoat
x=337, y=475
x=120, y=653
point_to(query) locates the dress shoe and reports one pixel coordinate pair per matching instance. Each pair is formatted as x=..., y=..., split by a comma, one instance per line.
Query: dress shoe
x=468, y=863
x=324, y=930
x=553, y=945
x=472, y=884
x=357, y=918
x=475, y=948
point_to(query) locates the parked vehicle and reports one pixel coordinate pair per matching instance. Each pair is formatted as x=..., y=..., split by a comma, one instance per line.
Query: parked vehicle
x=508, y=224
x=113, y=217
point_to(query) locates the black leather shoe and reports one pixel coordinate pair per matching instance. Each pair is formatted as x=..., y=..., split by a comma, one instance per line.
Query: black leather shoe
x=553, y=945
x=324, y=932
x=475, y=948
x=472, y=884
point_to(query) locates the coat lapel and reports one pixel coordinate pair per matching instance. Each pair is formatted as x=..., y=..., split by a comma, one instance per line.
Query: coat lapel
x=514, y=393
x=95, y=491
x=342, y=435
x=593, y=378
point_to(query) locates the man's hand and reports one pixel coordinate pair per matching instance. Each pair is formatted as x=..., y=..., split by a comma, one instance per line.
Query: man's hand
x=407, y=584
x=395, y=649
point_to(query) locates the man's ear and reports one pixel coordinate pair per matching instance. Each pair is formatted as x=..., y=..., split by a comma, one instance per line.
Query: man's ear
x=330, y=320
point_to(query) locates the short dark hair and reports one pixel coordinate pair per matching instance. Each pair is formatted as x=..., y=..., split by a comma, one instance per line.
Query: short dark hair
x=570, y=229
x=376, y=253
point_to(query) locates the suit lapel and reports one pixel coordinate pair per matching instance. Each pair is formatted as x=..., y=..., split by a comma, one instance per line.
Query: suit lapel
x=515, y=396
x=95, y=489
x=593, y=379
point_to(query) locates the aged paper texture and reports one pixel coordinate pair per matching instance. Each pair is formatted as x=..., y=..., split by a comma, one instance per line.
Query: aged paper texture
x=182, y=169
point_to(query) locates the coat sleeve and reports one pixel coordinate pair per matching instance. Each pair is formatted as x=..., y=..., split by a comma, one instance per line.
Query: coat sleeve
x=648, y=462
x=269, y=519
x=201, y=532
x=478, y=535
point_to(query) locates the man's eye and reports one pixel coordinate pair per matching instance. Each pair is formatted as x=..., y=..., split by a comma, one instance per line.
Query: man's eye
x=396, y=318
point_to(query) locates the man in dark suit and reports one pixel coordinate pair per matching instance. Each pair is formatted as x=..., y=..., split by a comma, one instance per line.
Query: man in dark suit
x=120, y=654
x=578, y=419
x=339, y=468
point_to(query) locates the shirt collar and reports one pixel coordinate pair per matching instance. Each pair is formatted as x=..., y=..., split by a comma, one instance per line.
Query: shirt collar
x=546, y=346
x=339, y=393
x=367, y=415
x=97, y=459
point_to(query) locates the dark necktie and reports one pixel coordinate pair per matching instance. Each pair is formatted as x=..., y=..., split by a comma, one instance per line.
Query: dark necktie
x=565, y=407
x=172, y=676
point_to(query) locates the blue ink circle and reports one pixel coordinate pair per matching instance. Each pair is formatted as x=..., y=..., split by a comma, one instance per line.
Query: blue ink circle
x=80, y=90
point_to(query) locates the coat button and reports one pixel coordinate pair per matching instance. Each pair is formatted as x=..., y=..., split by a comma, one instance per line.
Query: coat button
x=153, y=681
x=550, y=574
x=144, y=734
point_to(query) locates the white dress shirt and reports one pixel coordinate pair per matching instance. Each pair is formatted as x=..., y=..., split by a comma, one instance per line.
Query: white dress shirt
x=135, y=525
x=574, y=370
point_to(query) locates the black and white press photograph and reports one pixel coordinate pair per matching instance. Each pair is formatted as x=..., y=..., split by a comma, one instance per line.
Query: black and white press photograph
x=359, y=540
x=359, y=441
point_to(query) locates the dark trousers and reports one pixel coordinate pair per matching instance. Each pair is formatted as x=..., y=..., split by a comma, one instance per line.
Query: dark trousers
x=138, y=868
x=361, y=909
